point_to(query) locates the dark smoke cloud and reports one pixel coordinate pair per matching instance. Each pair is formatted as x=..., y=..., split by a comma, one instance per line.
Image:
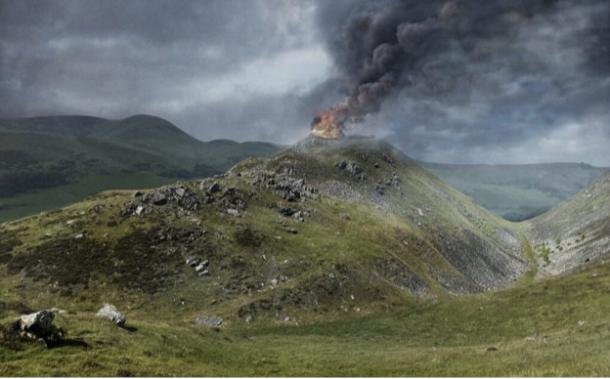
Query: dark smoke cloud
x=445, y=77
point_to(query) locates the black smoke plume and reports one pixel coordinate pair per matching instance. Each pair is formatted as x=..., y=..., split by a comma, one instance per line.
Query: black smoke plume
x=380, y=47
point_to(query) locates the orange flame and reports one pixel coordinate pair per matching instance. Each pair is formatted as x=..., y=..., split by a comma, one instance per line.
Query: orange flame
x=330, y=124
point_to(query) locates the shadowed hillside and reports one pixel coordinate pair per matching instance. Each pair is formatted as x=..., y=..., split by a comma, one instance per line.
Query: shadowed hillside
x=46, y=162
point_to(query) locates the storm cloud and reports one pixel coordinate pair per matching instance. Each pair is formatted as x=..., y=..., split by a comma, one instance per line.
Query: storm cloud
x=460, y=81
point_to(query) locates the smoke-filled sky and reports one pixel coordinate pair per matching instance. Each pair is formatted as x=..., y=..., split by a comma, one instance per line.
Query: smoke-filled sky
x=470, y=81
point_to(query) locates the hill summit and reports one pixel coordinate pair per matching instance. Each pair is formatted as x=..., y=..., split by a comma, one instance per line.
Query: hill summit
x=317, y=228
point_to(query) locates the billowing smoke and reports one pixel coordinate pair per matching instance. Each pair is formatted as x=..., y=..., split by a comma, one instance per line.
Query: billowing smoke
x=438, y=46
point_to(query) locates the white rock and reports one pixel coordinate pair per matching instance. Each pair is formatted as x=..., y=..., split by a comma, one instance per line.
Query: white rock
x=139, y=210
x=111, y=313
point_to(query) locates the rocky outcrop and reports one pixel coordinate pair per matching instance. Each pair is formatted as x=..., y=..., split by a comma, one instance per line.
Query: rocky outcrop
x=352, y=168
x=200, y=266
x=233, y=200
x=144, y=203
x=38, y=326
x=289, y=188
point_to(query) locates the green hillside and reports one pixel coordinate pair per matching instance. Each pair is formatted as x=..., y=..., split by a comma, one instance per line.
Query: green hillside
x=330, y=258
x=518, y=192
x=48, y=162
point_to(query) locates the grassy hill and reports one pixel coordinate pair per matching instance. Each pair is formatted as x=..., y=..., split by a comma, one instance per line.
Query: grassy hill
x=518, y=192
x=302, y=248
x=331, y=258
x=47, y=162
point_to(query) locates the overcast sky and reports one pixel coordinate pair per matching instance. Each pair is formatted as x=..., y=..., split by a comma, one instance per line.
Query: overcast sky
x=505, y=81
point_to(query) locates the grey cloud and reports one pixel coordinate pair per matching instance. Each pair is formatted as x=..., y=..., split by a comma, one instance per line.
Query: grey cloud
x=114, y=58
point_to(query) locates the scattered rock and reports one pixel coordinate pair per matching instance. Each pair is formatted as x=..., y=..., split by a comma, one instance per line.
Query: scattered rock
x=289, y=188
x=214, y=187
x=287, y=212
x=386, y=158
x=209, y=321
x=349, y=166
x=79, y=236
x=180, y=195
x=111, y=313
x=180, y=192
x=193, y=261
x=202, y=266
x=233, y=199
x=158, y=198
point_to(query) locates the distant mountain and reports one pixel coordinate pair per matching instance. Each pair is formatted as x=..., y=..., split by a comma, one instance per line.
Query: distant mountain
x=518, y=192
x=46, y=162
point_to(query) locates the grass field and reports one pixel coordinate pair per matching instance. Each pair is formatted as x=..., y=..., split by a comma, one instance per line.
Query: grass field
x=550, y=328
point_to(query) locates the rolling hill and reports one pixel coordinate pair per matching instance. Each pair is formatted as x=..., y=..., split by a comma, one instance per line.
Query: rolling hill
x=329, y=258
x=518, y=192
x=47, y=162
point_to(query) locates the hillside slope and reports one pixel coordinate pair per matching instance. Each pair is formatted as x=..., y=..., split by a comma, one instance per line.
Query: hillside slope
x=576, y=232
x=305, y=263
x=47, y=162
x=316, y=229
x=518, y=192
